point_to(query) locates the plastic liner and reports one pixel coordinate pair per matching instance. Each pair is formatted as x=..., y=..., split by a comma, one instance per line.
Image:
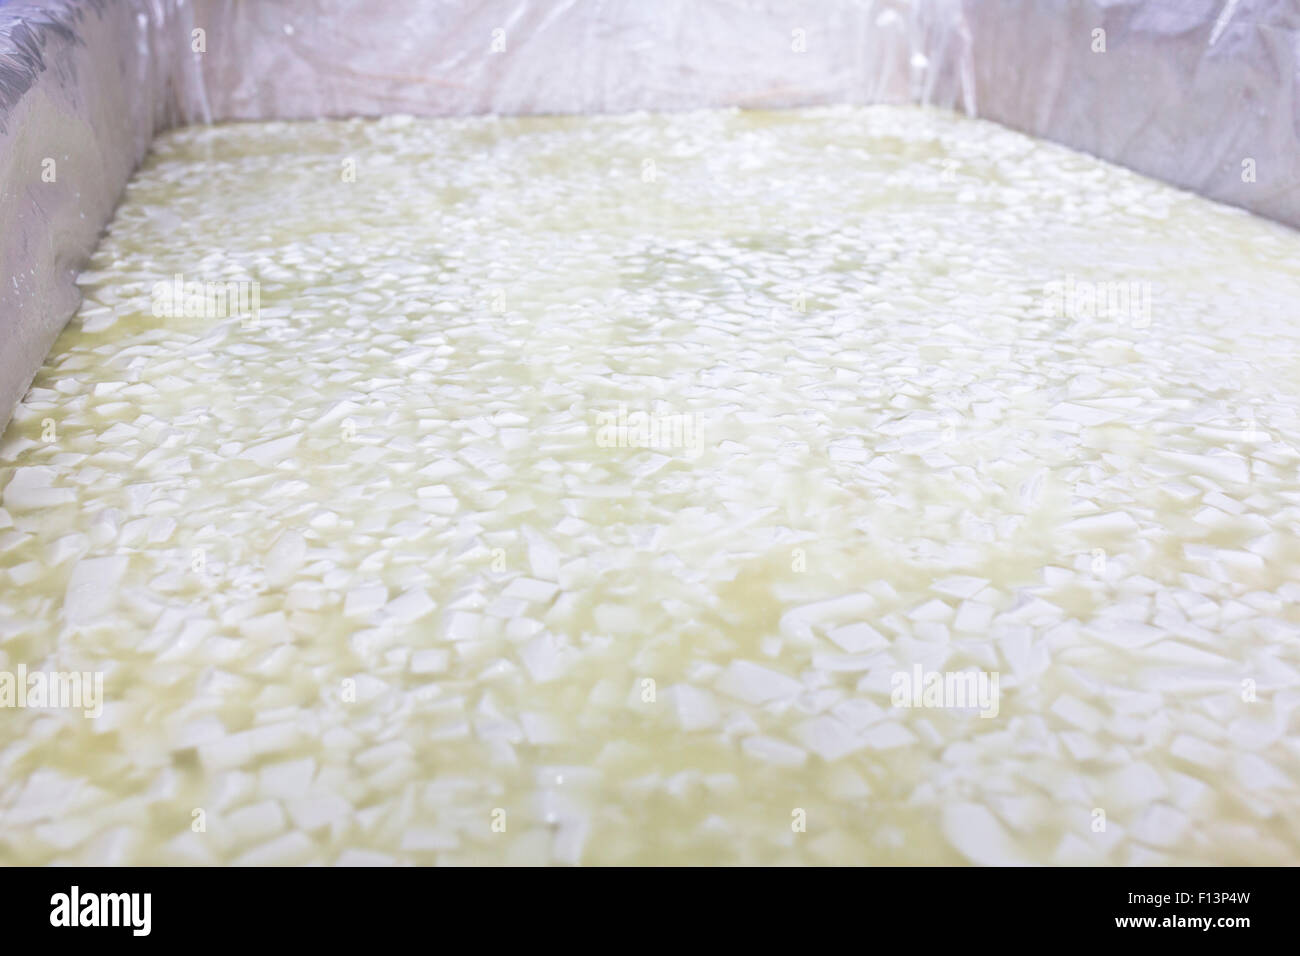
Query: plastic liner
x=84, y=86
x=1200, y=93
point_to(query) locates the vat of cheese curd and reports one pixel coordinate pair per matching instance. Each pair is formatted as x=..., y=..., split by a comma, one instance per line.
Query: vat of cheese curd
x=522, y=435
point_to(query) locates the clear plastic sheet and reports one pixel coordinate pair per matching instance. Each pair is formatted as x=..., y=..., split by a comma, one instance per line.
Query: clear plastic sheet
x=1200, y=93
x=84, y=86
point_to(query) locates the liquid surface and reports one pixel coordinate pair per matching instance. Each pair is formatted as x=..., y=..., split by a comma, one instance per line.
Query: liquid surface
x=595, y=489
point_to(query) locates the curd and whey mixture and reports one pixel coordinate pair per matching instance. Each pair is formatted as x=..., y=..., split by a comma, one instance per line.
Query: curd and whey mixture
x=602, y=489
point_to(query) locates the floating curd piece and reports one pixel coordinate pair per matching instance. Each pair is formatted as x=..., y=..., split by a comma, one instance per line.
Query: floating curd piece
x=1255, y=774
x=365, y=600
x=617, y=619
x=1076, y=712
x=1136, y=785
x=285, y=558
x=286, y=779
x=1160, y=825
x=543, y=657
x=253, y=823
x=694, y=708
x=411, y=605
x=800, y=621
x=1114, y=522
x=541, y=728
x=93, y=589
x=1225, y=467
x=977, y=834
x=531, y=589
x=367, y=858
x=462, y=626
x=827, y=738
x=270, y=453
x=756, y=684
x=973, y=616
x=32, y=488
x=962, y=586
x=1084, y=414
x=857, y=638
x=292, y=849
x=315, y=810
x=770, y=750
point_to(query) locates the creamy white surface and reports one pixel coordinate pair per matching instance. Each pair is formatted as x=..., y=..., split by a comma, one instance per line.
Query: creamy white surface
x=391, y=487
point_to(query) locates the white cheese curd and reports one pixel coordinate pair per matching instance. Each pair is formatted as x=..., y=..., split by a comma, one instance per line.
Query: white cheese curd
x=826, y=486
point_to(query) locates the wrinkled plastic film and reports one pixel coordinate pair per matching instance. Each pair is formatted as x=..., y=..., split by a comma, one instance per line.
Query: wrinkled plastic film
x=84, y=86
x=304, y=60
